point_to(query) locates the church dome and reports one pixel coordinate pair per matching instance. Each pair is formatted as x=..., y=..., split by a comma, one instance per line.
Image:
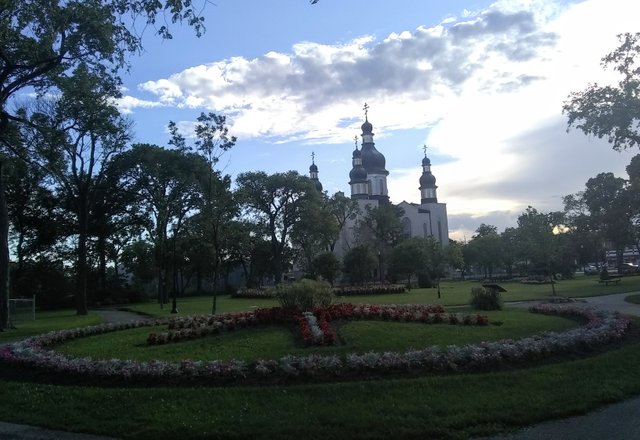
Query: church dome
x=367, y=127
x=373, y=160
x=426, y=161
x=358, y=174
x=357, y=154
x=427, y=180
x=318, y=185
x=313, y=168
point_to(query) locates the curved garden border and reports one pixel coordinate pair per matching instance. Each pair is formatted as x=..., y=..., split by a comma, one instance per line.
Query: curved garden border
x=600, y=328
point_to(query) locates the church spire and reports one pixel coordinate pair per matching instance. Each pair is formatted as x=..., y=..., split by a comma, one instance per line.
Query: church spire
x=427, y=181
x=313, y=173
x=358, y=175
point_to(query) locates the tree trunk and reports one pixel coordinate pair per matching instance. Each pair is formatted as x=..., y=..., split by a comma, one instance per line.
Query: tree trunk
x=4, y=254
x=102, y=261
x=81, y=275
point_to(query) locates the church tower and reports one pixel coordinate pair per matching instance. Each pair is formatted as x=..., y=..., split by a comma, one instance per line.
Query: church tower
x=427, y=182
x=374, y=163
x=313, y=173
x=358, y=176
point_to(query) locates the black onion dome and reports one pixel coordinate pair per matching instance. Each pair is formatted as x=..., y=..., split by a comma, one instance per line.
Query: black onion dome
x=318, y=185
x=426, y=161
x=373, y=160
x=357, y=153
x=367, y=128
x=358, y=174
x=313, y=168
x=427, y=179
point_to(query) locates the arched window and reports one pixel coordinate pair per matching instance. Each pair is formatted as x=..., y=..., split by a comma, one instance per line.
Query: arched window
x=406, y=226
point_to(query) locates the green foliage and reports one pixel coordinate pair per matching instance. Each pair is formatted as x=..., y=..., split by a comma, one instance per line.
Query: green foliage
x=485, y=299
x=278, y=201
x=611, y=111
x=358, y=264
x=327, y=265
x=424, y=280
x=304, y=294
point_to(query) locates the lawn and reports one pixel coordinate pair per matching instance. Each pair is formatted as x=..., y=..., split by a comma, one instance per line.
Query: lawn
x=47, y=321
x=452, y=293
x=448, y=407
x=274, y=342
x=454, y=406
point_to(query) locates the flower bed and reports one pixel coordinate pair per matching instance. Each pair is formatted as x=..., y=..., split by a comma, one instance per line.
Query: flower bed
x=600, y=328
x=314, y=326
x=254, y=293
x=374, y=289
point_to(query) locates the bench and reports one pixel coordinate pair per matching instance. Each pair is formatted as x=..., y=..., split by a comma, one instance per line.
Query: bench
x=612, y=280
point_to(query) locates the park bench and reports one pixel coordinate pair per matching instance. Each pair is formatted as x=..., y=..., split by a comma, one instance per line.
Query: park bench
x=610, y=280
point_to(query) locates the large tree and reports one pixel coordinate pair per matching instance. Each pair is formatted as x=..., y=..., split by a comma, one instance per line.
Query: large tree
x=217, y=206
x=73, y=137
x=168, y=189
x=45, y=40
x=612, y=111
x=277, y=202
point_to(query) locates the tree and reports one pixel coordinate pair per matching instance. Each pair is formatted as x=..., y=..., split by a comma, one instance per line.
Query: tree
x=168, y=189
x=608, y=201
x=540, y=244
x=611, y=111
x=45, y=40
x=381, y=225
x=315, y=231
x=408, y=258
x=327, y=265
x=277, y=202
x=358, y=264
x=72, y=138
x=341, y=208
x=485, y=249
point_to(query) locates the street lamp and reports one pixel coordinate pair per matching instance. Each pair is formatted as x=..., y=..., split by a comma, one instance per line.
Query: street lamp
x=174, y=306
x=380, y=266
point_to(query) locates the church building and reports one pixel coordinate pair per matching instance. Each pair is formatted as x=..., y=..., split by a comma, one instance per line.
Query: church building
x=368, y=183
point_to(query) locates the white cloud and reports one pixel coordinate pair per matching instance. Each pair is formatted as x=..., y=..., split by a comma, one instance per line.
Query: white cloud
x=487, y=87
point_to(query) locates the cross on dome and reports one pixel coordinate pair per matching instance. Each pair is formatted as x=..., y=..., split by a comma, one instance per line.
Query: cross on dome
x=366, y=111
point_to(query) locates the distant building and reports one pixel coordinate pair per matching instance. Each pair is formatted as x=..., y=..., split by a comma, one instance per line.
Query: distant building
x=368, y=182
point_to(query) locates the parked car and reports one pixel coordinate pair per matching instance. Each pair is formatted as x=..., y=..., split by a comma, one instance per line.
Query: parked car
x=591, y=269
x=628, y=268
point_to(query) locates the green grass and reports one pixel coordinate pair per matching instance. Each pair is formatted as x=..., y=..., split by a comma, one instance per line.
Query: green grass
x=448, y=407
x=452, y=293
x=633, y=299
x=48, y=321
x=277, y=341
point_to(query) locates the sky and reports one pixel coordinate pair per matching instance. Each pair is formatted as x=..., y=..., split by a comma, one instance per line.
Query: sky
x=480, y=83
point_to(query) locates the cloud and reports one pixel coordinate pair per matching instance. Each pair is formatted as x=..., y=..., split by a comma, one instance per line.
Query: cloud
x=307, y=94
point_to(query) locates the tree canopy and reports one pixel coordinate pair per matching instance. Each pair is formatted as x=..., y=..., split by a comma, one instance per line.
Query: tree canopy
x=612, y=112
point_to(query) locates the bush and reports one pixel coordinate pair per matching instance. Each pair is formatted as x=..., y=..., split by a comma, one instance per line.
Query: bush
x=304, y=295
x=485, y=299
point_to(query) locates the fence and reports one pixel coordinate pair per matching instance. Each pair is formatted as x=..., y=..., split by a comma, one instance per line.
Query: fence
x=22, y=309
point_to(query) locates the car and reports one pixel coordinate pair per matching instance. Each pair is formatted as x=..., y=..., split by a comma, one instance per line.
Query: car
x=628, y=268
x=591, y=270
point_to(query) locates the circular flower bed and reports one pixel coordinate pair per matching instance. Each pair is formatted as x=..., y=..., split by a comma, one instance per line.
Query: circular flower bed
x=600, y=328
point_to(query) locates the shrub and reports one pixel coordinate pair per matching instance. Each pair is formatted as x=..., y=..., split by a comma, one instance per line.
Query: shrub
x=485, y=299
x=304, y=295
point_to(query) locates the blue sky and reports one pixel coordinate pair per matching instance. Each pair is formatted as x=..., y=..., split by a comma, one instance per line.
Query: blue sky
x=481, y=83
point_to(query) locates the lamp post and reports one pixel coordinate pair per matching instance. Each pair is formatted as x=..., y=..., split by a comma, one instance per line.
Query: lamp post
x=174, y=306
x=380, y=266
